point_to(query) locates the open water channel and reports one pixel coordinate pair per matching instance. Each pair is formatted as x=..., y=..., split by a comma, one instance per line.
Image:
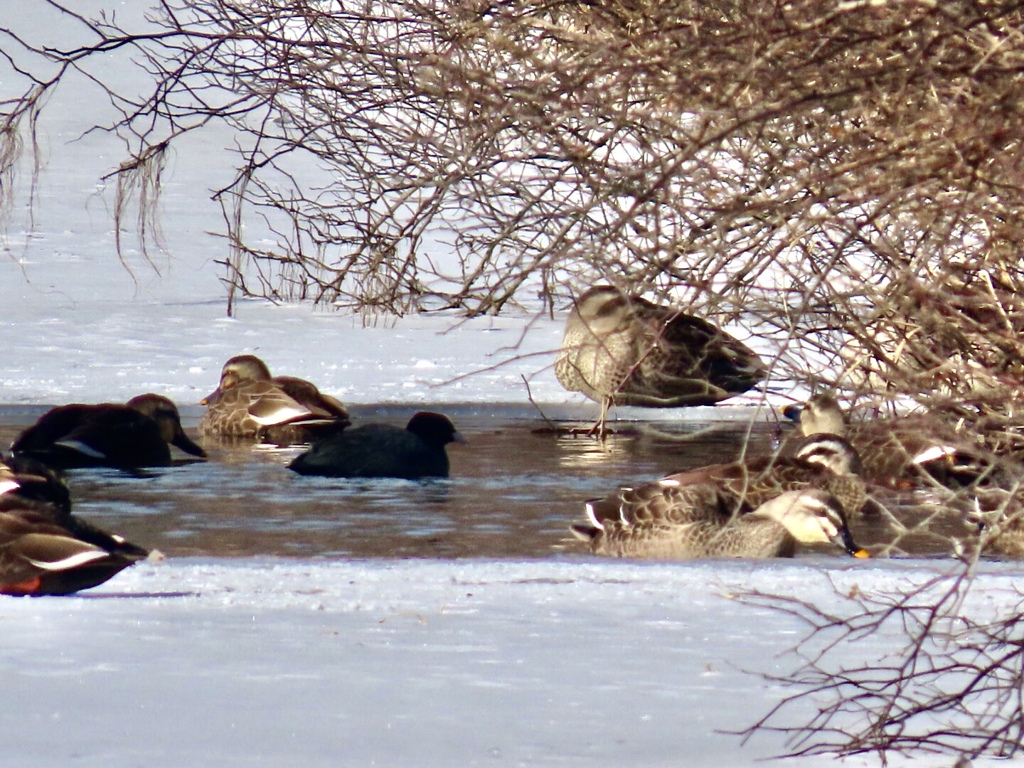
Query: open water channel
x=515, y=488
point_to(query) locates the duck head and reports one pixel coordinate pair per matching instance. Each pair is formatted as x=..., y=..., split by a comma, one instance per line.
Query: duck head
x=165, y=414
x=812, y=516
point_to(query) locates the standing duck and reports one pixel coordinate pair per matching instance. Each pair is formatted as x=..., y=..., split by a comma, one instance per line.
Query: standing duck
x=624, y=350
x=250, y=403
x=137, y=434
x=690, y=530
x=44, y=548
x=383, y=450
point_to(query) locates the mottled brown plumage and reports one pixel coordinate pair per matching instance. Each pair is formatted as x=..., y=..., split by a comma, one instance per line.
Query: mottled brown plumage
x=250, y=403
x=690, y=531
x=668, y=502
x=625, y=350
x=911, y=450
x=827, y=462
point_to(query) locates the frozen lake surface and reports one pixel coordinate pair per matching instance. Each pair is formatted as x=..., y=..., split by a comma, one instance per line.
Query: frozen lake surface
x=417, y=662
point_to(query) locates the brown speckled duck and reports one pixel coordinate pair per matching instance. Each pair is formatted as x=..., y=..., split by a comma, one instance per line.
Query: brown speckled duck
x=250, y=403
x=44, y=548
x=624, y=350
x=136, y=434
x=911, y=450
x=828, y=462
x=996, y=517
x=690, y=530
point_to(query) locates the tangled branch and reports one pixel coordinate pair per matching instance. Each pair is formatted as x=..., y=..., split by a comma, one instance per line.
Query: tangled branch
x=950, y=682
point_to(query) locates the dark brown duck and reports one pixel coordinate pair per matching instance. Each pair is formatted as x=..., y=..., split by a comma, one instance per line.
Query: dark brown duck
x=44, y=548
x=136, y=434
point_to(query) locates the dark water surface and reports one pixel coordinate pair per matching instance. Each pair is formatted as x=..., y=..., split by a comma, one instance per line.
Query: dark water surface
x=515, y=488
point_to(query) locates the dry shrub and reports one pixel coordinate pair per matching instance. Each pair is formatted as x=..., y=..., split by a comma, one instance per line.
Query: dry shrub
x=843, y=178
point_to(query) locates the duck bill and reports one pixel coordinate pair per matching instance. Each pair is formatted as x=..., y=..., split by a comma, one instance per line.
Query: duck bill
x=210, y=397
x=792, y=412
x=183, y=441
x=845, y=540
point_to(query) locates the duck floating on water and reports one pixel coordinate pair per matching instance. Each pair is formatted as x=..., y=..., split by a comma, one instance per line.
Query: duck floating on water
x=705, y=523
x=250, y=403
x=133, y=435
x=912, y=450
x=44, y=548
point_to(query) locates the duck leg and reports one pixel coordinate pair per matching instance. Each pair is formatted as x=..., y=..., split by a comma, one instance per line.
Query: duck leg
x=600, y=428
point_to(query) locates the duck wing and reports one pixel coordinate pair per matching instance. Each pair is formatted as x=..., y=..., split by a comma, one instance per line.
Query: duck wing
x=305, y=392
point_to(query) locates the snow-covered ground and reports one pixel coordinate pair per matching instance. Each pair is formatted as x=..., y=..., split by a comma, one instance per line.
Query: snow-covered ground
x=392, y=663
x=421, y=663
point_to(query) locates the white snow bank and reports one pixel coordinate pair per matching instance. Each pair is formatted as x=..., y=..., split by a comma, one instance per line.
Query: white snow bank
x=191, y=663
x=103, y=351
